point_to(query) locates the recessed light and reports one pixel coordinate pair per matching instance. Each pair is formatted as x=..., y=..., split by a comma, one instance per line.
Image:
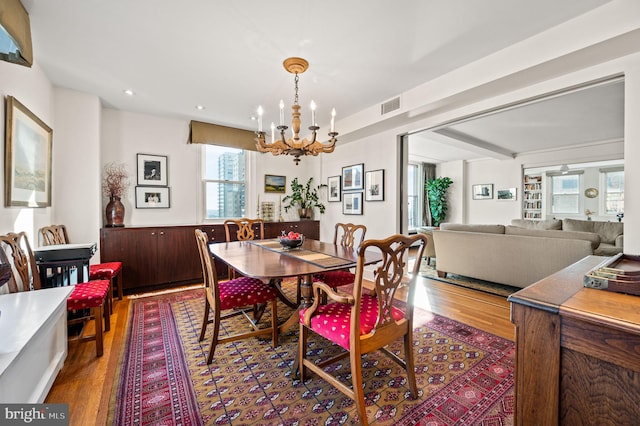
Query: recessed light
x=129, y=92
x=200, y=107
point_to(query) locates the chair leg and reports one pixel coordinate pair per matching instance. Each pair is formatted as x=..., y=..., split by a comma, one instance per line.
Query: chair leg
x=205, y=319
x=274, y=323
x=214, y=339
x=118, y=280
x=408, y=359
x=97, y=313
x=356, y=380
x=110, y=296
x=302, y=351
x=106, y=308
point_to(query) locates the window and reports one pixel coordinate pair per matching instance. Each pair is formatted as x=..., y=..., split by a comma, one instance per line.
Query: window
x=614, y=192
x=565, y=193
x=413, y=194
x=224, y=182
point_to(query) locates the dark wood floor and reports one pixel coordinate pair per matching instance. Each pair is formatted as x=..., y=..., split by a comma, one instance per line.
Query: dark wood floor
x=85, y=382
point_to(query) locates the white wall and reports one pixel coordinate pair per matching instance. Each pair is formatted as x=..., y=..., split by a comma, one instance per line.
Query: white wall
x=76, y=183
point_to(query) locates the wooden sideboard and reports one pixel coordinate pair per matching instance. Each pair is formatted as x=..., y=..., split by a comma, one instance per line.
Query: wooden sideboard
x=577, y=352
x=167, y=256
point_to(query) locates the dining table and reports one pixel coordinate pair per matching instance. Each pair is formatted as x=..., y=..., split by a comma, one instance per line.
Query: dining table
x=268, y=260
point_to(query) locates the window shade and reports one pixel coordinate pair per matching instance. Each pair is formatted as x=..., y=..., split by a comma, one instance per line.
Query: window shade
x=214, y=134
x=15, y=34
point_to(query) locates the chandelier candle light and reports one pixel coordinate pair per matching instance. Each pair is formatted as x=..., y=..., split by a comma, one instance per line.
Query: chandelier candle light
x=294, y=146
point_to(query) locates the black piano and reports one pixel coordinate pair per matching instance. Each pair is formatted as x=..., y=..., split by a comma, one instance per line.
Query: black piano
x=64, y=264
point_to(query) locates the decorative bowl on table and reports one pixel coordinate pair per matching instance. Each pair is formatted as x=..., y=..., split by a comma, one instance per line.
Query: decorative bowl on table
x=291, y=242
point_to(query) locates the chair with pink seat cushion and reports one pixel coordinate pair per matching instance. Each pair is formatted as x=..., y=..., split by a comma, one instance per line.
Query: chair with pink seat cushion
x=231, y=296
x=112, y=271
x=347, y=235
x=88, y=301
x=362, y=323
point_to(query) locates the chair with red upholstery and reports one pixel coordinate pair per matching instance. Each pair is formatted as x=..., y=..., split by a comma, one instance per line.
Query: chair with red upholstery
x=232, y=296
x=351, y=236
x=366, y=322
x=112, y=271
x=88, y=301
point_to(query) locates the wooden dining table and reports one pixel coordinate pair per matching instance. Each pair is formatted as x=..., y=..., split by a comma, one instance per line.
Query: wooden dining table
x=268, y=260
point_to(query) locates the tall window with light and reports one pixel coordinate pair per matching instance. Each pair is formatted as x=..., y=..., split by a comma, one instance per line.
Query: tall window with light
x=565, y=193
x=614, y=192
x=224, y=182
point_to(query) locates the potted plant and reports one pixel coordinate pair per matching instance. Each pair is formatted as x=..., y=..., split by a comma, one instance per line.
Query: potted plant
x=304, y=197
x=437, y=193
x=115, y=184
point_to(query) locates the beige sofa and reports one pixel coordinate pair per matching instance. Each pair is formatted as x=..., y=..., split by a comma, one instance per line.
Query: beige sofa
x=611, y=233
x=510, y=255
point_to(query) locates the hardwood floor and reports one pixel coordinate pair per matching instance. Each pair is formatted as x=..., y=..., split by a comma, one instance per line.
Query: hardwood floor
x=85, y=382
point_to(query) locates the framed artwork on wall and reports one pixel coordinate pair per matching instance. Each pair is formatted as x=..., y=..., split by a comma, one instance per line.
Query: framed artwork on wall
x=152, y=197
x=508, y=194
x=275, y=183
x=27, y=161
x=333, y=183
x=352, y=203
x=352, y=177
x=483, y=191
x=374, y=185
x=152, y=170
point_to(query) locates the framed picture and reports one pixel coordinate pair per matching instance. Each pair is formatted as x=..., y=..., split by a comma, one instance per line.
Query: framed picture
x=374, y=185
x=508, y=194
x=483, y=192
x=152, y=170
x=333, y=183
x=27, y=160
x=352, y=203
x=152, y=197
x=352, y=177
x=275, y=183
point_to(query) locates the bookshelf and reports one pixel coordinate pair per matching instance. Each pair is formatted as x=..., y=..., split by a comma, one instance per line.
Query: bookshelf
x=532, y=199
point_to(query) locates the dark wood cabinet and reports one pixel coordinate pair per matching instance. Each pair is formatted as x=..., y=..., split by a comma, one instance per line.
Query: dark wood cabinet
x=577, y=352
x=167, y=256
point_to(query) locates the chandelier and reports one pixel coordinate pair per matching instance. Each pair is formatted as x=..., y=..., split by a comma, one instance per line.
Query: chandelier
x=294, y=146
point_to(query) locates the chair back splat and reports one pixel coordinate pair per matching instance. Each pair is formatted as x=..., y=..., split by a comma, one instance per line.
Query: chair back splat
x=374, y=320
x=16, y=248
x=245, y=229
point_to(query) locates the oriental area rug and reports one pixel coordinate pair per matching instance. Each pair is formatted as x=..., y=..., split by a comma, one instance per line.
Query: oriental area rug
x=464, y=375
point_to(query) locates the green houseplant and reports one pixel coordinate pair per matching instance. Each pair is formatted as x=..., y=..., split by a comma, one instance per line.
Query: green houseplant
x=304, y=197
x=437, y=193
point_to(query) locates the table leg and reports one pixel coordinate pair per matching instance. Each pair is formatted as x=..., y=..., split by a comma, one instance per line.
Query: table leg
x=276, y=284
x=306, y=290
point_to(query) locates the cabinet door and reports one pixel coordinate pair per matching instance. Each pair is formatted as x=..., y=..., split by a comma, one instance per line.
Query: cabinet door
x=137, y=249
x=178, y=258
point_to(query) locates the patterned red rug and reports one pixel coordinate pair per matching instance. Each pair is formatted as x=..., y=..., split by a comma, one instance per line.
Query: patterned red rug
x=465, y=375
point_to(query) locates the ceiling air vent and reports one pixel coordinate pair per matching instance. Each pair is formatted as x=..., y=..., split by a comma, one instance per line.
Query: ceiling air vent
x=389, y=106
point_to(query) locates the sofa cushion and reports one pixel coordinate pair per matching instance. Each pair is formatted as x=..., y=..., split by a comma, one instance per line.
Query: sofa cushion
x=537, y=224
x=487, y=229
x=592, y=237
x=608, y=231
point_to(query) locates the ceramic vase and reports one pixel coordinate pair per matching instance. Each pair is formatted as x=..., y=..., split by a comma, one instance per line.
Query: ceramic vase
x=115, y=212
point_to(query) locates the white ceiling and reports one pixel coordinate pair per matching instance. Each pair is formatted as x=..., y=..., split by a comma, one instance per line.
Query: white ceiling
x=227, y=55
x=570, y=119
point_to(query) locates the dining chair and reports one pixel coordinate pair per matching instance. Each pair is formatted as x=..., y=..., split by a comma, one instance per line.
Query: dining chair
x=243, y=229
x=88, y=301
x=231, y=296
x=362, y=323
x=347, y=235
x=112, y=271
